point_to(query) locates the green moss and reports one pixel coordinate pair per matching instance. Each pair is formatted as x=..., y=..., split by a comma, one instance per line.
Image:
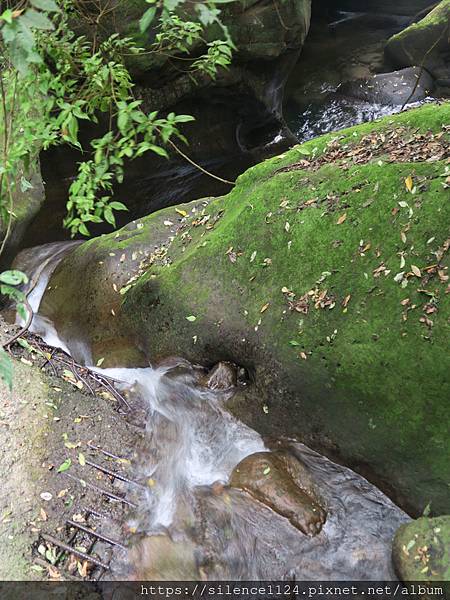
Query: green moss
x=362, y=378
x=421, y=550
x=424, y=42
x=438, y=16
x=371, y=368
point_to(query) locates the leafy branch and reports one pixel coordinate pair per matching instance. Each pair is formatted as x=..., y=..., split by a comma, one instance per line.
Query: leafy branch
x=51, y=80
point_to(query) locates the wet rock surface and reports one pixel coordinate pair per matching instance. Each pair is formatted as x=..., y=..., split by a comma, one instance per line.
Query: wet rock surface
x=283, y=483
x=397, y=88
x=159, y=558
x=340, y=47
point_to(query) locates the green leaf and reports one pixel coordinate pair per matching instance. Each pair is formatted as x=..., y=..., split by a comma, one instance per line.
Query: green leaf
x=294, y=343
x=146, y=20
x=48, y=5
x=6, y=368
x=65, y=466
x=184, y=118
x=117, y=205
x=191, y=318
x=7, y=16
x=426, y=510
x=83, y=230
x=25, y=185
x=22, y=311
x=36, y=20
x=13, y=277
x=109, y=216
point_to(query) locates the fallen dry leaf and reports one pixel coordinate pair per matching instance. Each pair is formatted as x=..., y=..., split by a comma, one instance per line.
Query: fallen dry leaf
x=416, y=271
x=346, y=300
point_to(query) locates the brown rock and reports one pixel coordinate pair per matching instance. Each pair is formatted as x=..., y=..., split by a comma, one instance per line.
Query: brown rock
x=282, y=482
x=159, y=558
x=222, y=376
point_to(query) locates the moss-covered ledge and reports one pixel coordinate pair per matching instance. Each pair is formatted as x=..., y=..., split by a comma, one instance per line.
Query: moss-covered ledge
x=324, y=272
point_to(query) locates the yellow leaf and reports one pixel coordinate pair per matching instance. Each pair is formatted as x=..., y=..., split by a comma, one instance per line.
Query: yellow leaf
x=183, y=213
x=409, y=183
x=341, y=219
x=265, y=307
x=416, y=271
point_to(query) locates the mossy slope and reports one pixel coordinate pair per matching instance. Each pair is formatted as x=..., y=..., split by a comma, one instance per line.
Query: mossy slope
x=357, y=369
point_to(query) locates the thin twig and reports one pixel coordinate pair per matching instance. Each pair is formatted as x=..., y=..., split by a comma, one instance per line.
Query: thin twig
x=422, y=67
x=199, y=167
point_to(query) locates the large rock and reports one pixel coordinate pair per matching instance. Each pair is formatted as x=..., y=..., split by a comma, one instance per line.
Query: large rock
x=425, y=42
x=323, y=273
x=421, y=550
x=398, y=88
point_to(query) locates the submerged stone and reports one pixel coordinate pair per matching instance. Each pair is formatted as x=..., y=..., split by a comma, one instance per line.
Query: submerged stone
x=282, y=482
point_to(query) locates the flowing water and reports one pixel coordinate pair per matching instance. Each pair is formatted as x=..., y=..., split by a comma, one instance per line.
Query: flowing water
x=189, y=518
x=334, y=114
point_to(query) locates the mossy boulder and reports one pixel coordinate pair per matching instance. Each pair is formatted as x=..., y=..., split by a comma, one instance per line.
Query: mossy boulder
x=324, y=273
x=426, y=42
x=421, y=550
x=28, y=196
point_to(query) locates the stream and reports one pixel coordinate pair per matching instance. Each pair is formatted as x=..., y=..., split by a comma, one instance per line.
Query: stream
x=290, y=514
